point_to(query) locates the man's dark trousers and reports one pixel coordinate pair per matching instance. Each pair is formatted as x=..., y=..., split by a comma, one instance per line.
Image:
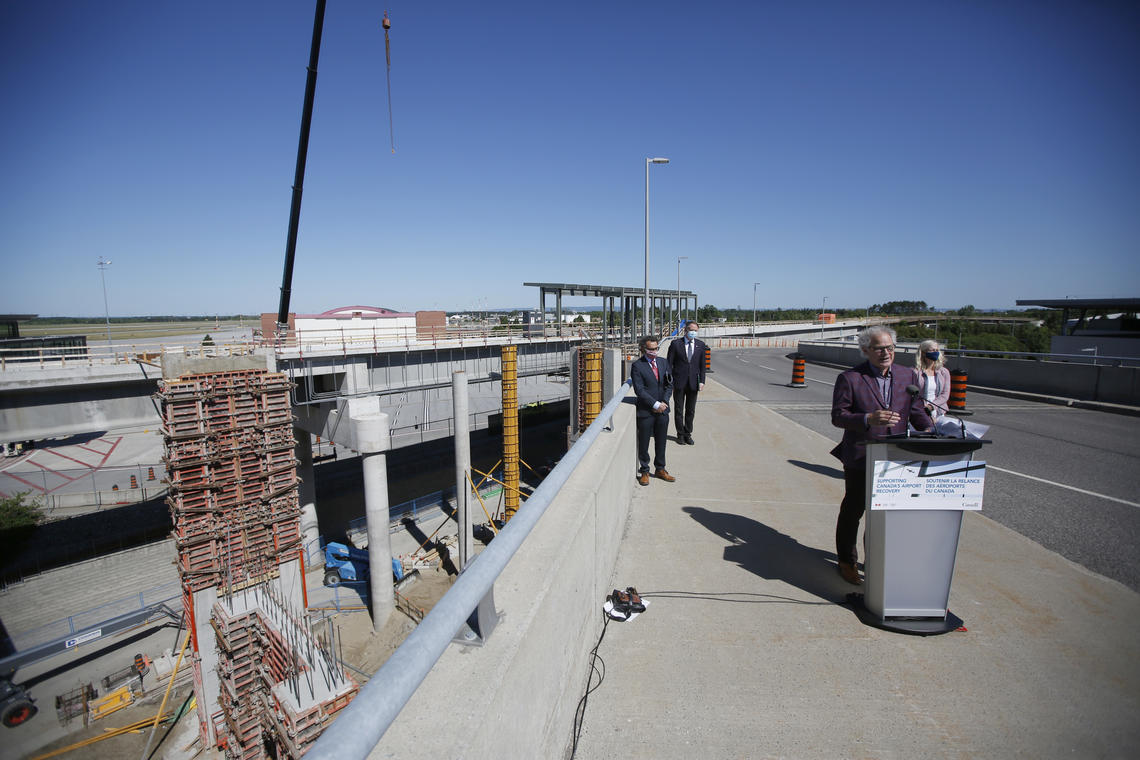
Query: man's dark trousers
x=688, y=376
x=684, y=409
x=850, y=512
x=655, y=426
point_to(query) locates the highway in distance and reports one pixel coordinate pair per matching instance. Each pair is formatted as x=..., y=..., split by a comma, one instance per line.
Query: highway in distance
x=1066, y=478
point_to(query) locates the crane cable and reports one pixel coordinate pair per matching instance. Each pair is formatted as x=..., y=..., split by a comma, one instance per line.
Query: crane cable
x=388, y=58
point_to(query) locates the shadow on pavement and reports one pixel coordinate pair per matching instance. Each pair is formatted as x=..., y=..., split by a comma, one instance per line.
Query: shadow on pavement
x=821, y=469
x=770, y=554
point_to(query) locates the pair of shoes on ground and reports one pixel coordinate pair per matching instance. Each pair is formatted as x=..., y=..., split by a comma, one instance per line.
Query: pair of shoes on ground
x=661, y=472
x=850, y=573
x=686, y=440
x=627, y=602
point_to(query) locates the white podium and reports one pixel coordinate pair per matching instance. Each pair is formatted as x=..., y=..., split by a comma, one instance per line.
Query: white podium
x=917, y=490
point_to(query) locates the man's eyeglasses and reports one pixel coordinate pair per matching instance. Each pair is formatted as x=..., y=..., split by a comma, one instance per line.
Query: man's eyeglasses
x=883, y=349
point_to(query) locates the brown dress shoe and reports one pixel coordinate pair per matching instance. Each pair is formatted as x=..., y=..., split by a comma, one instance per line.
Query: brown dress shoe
x=643, y=478
x=664, y=475
x=850, y=573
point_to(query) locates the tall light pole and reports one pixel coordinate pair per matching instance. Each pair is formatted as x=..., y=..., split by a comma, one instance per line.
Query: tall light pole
x=679, y=286
x=822, y=309
x=648, y=161
x=754, y=308
x=103, y=264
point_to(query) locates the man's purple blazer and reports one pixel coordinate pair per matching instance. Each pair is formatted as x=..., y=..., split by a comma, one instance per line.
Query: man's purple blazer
x=857, y=393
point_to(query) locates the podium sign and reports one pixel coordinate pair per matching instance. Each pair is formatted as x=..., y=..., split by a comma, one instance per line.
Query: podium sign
x=927, y=484
x=917, y=490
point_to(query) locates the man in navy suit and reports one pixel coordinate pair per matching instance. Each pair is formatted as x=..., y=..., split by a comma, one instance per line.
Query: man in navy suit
x=652, y=383
x=869, y=402
x=687, y=362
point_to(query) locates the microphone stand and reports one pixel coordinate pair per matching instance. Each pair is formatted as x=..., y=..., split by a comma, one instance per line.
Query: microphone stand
x=913, y=390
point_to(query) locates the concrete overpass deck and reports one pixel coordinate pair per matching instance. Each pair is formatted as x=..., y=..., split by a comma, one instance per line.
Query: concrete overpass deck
x=748, y=649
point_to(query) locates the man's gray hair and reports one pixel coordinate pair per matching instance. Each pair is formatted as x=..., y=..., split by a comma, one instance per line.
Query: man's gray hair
x=868, y=334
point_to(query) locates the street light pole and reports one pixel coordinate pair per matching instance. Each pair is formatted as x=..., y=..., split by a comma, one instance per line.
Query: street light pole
x=822, y=309
x=679, y=286
x=103, y=264
x=754, y=308
x=645, y=305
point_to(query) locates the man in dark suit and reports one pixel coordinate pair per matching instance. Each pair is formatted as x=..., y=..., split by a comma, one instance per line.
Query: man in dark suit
x=652, y=384
x=687, y=362
x=869, y=402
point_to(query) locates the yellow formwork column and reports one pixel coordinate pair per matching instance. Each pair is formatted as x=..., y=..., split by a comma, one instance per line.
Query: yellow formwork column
x=510, y=372
x=593, y=386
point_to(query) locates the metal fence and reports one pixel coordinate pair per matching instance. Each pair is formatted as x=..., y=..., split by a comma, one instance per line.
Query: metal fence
x=168, y=593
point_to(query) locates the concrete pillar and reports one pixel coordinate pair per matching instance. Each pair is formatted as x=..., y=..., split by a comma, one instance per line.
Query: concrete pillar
x=371, y=438
x=207, y=685
x=307, y=496
x=612, y=371
x=291, y=584
x=463, y=501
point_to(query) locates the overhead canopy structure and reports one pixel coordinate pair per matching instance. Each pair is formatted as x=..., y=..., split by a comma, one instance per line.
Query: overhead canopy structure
x=10, y=324
x=1083, y=306
x=666, y=307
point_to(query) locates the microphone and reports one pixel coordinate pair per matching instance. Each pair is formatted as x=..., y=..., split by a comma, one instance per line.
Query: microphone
x=914, y=390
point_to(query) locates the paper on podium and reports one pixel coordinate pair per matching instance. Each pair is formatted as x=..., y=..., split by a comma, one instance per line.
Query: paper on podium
x=952, y=427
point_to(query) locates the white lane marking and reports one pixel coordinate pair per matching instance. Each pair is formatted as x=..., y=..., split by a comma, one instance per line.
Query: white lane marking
x=1062, y=485
x=809, y=379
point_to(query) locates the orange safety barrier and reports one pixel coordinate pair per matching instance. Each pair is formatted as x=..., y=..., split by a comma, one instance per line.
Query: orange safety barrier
x=134, y=482
x=708, y=359
x=798, y=371
x=958, y=378
x=150, y=473
x=115, y=487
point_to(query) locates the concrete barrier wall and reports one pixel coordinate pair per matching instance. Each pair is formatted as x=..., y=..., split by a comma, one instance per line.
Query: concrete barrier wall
x=533, y=669
x=1116, y=385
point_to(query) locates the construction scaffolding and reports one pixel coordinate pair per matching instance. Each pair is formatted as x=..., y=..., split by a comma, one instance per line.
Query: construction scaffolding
x=232, y=472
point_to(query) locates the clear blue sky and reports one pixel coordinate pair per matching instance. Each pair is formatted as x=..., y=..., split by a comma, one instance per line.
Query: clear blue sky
x=966, y=152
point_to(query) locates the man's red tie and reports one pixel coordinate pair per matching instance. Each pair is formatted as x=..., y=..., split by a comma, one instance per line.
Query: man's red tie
x=653, y=363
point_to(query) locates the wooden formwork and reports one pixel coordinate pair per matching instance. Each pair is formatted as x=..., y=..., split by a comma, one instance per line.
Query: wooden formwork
x=297, y=730
x=232, y=472
x=254, y=657
x=229, y=452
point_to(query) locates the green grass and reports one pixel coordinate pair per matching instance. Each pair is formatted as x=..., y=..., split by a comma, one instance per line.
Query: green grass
x=122, y=332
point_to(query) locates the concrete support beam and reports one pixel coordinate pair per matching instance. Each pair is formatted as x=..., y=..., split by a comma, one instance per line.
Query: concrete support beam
x=370, y=437
x=307, y=497
x=462, y=465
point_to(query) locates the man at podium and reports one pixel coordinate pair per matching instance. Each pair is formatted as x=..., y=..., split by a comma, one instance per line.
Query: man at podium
x=870, y=401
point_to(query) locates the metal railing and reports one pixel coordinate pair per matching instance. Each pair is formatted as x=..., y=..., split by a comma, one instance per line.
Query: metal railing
x=325, y=342
x=1093, y=359
x=360, y=726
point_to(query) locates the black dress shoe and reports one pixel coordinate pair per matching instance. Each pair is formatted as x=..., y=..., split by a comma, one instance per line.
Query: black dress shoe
x=681, y=440
x=689, y=440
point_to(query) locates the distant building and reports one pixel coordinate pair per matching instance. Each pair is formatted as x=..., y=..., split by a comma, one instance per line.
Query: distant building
x=1115, y=334
x=360, y=323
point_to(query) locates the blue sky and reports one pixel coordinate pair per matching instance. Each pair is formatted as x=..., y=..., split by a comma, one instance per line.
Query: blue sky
x=967, y=152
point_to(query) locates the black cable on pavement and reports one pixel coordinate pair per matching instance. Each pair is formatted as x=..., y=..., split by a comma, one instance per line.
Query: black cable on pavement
x=595, y=658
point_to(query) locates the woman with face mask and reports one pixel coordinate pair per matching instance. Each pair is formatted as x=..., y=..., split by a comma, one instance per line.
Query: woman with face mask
x=932, y=378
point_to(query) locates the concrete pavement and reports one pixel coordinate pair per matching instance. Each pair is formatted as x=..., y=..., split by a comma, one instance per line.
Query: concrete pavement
x=747, y=649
